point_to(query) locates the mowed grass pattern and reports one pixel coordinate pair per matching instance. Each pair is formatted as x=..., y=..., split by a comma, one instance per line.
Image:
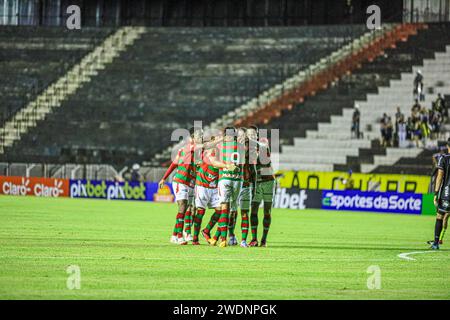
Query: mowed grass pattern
x=123, y=251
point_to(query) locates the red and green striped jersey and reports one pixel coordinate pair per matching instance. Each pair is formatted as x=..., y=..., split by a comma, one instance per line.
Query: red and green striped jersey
x=207, y=175
x=264, y=171
x=247, y=167
x=246, y=176
x=185, y=173
x=229, y=154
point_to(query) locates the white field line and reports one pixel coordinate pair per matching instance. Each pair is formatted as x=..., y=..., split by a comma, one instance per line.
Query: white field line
x=406, y=255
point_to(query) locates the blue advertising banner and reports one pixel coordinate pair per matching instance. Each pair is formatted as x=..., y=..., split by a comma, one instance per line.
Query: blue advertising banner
x=294, y=198
x=111, y=190
x=410, y=203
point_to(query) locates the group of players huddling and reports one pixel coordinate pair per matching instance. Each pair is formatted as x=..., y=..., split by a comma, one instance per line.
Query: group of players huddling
x=232, y=169
x=223, y=171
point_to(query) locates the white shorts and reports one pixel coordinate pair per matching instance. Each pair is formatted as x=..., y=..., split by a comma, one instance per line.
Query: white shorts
x=245, y=197
x=229, y=191
x=264, y=191
x=206, y=197
x=183, y=192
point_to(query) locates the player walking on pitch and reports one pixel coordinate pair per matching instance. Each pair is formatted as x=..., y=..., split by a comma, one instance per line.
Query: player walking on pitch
x=435, y=158
x=442, y=195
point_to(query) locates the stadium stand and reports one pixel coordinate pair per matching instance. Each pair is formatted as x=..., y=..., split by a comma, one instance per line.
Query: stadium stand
x=32, y=58
x=420, y=164
x=320, y=127
x=67, y=85
x=282, y=96
x=196, y=73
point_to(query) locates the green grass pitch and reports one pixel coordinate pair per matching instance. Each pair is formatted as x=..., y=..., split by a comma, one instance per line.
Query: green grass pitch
x=123, y=252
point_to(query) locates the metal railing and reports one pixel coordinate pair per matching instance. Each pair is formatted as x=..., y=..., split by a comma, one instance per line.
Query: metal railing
x=76, y=171
x=415, y=11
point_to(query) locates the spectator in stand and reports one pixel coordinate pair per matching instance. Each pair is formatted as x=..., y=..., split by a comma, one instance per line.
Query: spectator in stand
x=409, y=129
x=135, y=175
x=416, y=132
x=401, y=132
x=424, y=126
x=398, y=116
x=387, y=128
x=355, y=123
x=389, y=132
x=435, y=124
x=418, y=86
x=421, y=125
x=416, y=109
x=439, y=105
x=383, y=125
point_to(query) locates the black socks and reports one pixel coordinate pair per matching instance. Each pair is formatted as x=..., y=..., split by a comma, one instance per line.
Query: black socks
x=437, y=230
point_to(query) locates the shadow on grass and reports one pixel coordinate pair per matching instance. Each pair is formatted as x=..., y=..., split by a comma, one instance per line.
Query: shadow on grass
x=404, y=249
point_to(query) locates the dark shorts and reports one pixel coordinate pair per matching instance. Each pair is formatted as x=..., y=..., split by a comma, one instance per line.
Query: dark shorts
x=443, y=206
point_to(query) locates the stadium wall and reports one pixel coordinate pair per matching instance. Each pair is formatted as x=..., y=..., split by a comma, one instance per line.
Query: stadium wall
x=285, y=198
x=198, y=13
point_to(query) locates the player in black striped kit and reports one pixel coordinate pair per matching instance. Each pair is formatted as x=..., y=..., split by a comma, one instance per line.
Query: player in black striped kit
x=435, y=158
x=442, y=195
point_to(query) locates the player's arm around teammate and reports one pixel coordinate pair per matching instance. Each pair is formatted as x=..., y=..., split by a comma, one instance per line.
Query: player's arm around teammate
x=242, y=199
x=223, y=216
x=206, y=194
x=247, y=191
x=230, y=179
x=183, y=185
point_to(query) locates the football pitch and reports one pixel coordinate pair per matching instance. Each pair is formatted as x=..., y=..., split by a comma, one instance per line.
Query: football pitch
x=121, y=250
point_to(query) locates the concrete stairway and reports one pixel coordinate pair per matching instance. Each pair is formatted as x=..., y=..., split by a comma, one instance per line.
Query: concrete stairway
x=67, y=85
x=330, y=147
x=290, y=84
x=437, y=79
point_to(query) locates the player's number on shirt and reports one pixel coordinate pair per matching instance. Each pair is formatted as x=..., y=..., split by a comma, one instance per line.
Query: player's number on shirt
x=235, y=157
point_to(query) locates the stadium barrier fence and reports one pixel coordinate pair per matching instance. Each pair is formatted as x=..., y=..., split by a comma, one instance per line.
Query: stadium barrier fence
x=284, y=198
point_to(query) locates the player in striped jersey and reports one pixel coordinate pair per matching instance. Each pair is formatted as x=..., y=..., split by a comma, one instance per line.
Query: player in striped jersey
x=230, y=181
x=206, y=194
x=265, y=186
x=191, y=209
x=435, y=159
x=245, y=195
x=183, y=184
x=442, y=195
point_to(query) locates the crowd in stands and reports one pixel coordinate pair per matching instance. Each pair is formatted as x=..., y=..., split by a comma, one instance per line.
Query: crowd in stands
x=416, y=129
x=420, y=126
